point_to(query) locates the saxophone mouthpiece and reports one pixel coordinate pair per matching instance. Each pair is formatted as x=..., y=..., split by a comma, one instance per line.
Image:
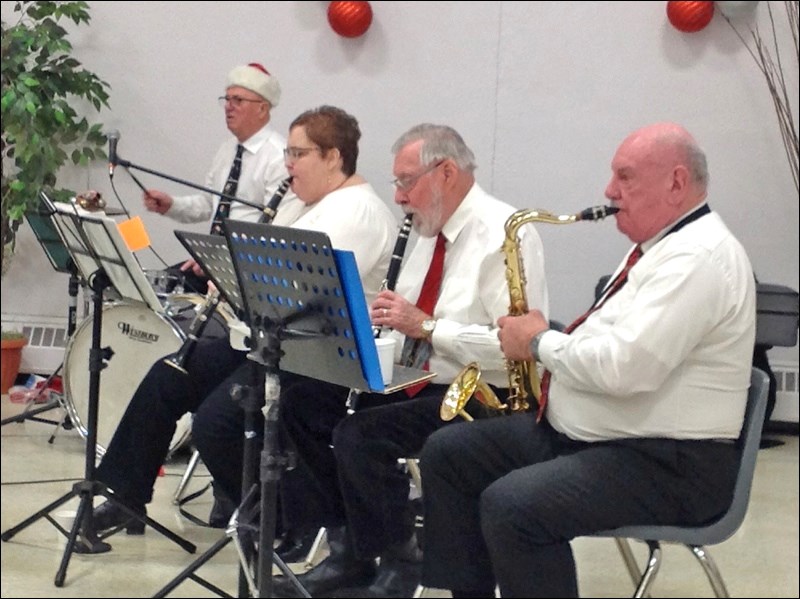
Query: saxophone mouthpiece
x=597, y=212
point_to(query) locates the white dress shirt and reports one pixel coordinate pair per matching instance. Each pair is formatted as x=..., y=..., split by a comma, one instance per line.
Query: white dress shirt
x=355, y=219
x=669, y=355
x=263, y=169
x=474, y=290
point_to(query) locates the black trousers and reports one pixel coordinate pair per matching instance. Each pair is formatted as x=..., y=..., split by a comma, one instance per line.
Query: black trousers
x=359, y=483
x=218, y=430
x=504, y=497
x=141, y=442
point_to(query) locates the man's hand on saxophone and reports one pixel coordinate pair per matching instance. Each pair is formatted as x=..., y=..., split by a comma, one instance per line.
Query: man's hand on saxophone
x=515, y=332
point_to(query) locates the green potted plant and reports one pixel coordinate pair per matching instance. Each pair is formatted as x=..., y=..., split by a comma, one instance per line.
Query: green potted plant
x=11, y=344
x=45, y=94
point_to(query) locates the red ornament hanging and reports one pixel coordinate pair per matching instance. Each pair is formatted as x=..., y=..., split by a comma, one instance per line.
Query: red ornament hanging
x=350, y=19
x=689, y=16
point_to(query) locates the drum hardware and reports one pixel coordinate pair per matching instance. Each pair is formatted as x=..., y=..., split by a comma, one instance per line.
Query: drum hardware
x=83, y=537
x=164, y=282
x=139, y=338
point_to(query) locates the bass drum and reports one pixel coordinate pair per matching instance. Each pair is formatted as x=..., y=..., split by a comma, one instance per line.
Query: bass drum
x=137, y=337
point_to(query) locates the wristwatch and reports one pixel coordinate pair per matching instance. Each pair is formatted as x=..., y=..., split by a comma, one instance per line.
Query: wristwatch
x=427, y=327
x=535, y=344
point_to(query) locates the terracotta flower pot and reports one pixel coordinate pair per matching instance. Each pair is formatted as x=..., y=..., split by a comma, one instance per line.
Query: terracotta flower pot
x=11, y=358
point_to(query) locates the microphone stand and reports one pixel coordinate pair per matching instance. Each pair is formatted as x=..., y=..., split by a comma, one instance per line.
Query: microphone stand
x=127, y=164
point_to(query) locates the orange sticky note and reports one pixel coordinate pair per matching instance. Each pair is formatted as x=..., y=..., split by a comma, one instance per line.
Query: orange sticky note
x=134, y=233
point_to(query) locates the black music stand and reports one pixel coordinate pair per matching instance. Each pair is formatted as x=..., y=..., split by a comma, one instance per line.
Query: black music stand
x=305, y=307
x=98, y=250
x=307, y=314
x=41, y=221
x=212, y=254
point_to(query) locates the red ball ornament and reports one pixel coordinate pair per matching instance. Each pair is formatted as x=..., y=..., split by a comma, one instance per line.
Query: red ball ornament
x=689, y=16
x=350, y=19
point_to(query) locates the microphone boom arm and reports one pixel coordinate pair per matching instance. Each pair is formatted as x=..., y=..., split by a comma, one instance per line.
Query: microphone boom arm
x=130, y=165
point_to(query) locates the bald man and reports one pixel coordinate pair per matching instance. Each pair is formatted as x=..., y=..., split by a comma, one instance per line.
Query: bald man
x=645, y=397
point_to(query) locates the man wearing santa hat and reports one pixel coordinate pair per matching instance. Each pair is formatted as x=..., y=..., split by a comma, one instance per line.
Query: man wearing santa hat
x=250, y=95
x=140, y=443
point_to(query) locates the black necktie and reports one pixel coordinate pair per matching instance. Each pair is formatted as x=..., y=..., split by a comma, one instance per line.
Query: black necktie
x=224, y=206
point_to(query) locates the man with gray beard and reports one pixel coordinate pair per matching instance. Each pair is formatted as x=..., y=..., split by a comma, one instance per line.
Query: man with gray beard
x=449, y=294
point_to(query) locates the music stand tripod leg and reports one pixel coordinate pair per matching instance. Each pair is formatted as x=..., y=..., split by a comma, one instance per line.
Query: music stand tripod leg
x=88, y=541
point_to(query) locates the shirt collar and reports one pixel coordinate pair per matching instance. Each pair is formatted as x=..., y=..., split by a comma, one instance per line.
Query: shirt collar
x=460, y=218
x=647, y=245
x=253, y=143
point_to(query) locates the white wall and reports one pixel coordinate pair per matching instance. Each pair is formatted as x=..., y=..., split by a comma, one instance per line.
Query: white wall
x=542, y=91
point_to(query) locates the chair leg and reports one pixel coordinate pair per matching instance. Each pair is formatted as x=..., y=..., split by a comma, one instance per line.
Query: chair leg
x=412, y=464
x=711, y=570
x=630, y=561
x=650, y=571
x=315, y=548
x=187, y=476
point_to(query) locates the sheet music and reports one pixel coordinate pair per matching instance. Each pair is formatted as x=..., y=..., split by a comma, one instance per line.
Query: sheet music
x=95, y=242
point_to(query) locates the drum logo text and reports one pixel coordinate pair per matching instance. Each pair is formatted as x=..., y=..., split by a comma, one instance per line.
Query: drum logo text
x=137, y=334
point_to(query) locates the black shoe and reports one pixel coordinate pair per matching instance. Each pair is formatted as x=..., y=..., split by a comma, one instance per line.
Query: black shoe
x=222, y=510
x=293, y=548
x=328, y=575
x=399, y=572
x=221, y=513
x=394, y=579
x=109, y=515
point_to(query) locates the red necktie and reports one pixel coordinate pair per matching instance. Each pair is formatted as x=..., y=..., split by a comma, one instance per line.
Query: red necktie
x=615, y=286
x=426, y=302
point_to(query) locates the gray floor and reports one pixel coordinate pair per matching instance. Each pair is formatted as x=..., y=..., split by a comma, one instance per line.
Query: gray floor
x=760, y=560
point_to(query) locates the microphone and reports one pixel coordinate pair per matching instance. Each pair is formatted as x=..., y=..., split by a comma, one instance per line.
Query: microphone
x=113, y=138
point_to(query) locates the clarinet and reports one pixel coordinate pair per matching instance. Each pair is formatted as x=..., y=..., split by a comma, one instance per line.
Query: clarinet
x=388, y=283
x=179, y=358
x=397, y=259
x=199, y=322
x=397, y=254
x=272, y=206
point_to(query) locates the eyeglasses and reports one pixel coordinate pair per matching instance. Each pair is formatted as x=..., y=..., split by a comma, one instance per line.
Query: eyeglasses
x=236, y=101
x=407, y=184
x=295, y=153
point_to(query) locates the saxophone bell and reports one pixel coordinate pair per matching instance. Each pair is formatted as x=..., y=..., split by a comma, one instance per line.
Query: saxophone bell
x=466, y=384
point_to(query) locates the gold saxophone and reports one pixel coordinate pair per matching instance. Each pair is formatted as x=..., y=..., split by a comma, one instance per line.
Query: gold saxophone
x=523, y=378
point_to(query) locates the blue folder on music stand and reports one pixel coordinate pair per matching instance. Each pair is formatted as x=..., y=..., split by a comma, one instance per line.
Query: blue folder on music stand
x=357, y=307
x=293, y=280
